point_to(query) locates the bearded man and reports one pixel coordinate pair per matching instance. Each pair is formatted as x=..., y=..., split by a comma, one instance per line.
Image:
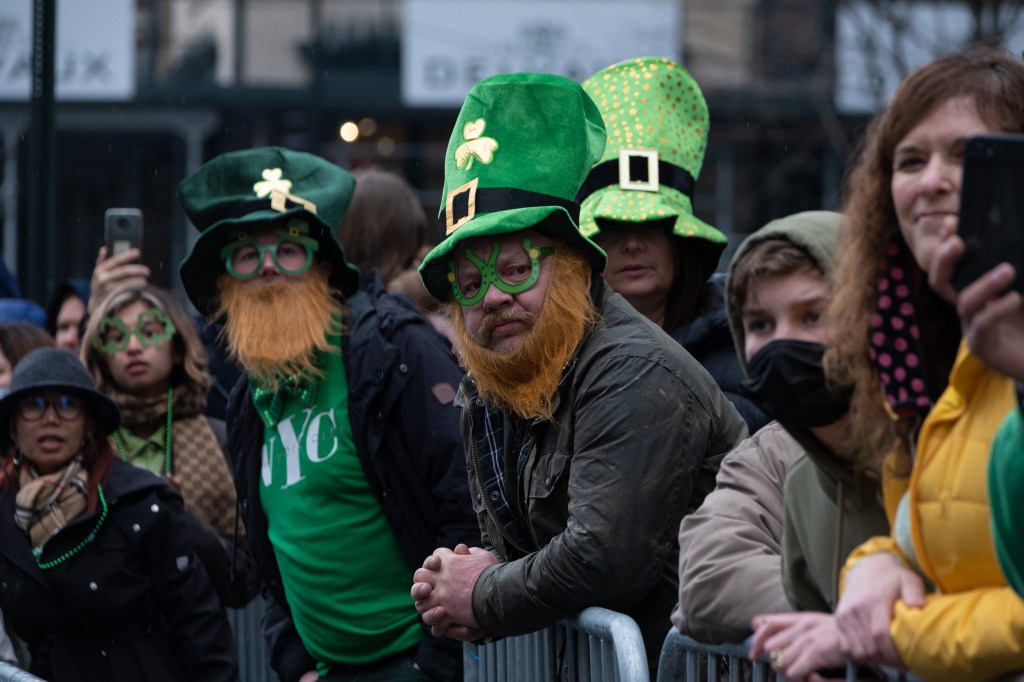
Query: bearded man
x=343, y=437
x=586, y=426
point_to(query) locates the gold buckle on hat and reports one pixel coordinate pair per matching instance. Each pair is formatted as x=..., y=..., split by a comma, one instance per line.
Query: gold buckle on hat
x=450, y=223
x=626, y=182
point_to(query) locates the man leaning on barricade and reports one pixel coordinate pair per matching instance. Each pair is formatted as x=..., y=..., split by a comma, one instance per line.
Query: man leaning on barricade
x=584, y=424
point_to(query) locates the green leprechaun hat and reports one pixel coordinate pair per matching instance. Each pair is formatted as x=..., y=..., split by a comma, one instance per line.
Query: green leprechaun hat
x=237, y=191
x=657, y=122
x=522, y=146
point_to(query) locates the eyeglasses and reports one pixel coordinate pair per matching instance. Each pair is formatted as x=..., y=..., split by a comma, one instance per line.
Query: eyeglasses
x=292, y=252
x=522, y=276
x=152, y=328
x=66, y=406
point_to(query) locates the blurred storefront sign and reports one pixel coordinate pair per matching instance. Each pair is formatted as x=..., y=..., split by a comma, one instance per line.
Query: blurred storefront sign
x=448, y=45
x=95, y=56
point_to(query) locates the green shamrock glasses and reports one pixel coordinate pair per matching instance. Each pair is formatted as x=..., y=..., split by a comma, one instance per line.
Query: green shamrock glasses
x=152, y=328
x=521, y=279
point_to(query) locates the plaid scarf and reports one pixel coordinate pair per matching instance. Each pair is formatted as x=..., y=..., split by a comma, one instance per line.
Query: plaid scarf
x=45, y=503
x=196, y=457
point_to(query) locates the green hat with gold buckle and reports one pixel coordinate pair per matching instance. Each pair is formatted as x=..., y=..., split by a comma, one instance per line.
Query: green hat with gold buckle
x=237, y=192
x=657, y=122
x=522, y=145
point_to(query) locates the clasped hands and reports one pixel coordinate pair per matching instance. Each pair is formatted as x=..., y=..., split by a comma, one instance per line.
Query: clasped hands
x=443, y=590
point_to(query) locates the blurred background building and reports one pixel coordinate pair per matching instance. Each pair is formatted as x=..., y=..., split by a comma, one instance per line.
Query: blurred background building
x=146, y=90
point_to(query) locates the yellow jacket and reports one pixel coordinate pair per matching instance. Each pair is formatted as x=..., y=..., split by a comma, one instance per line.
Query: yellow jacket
x=972, y=627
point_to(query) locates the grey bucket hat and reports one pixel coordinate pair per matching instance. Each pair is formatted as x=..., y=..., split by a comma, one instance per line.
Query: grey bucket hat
x=60, y=369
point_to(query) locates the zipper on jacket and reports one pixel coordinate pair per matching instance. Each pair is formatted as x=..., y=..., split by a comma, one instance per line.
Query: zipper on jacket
x=476, y=477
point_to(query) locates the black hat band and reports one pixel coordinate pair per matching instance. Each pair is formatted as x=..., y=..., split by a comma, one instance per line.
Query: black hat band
x=464, y=202
x=637, y=169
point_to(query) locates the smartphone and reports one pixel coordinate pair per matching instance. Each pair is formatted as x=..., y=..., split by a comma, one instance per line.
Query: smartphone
x=991, y=219
x=123, y=228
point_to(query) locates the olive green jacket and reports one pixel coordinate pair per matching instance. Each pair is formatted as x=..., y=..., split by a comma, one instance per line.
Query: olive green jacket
x=638, y=433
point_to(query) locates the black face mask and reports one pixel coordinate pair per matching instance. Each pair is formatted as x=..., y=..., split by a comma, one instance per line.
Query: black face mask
x=787, y=381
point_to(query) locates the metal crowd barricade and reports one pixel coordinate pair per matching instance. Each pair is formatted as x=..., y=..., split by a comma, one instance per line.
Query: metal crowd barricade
x=251, y=648
x=10, y=673
x=684, y=659
x=596, y=644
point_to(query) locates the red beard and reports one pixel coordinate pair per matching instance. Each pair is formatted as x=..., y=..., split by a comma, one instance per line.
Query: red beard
x=275, y=329
x=524, y=380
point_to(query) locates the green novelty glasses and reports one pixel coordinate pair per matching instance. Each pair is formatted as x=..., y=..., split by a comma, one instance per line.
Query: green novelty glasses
x=519, y=281
x=292, y=252
x=152, y=328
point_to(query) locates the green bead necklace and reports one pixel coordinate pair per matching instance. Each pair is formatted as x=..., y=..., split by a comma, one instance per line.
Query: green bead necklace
x=167, y=438
x=37, y=552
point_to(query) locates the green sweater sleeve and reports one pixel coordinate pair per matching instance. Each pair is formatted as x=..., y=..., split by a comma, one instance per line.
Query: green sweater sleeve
x=1006, y=489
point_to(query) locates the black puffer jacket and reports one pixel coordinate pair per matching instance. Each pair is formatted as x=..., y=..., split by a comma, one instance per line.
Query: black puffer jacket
x=134, y=605
x=402, y=380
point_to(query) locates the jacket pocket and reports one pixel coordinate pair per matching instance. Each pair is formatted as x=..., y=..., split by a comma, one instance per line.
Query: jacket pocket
x=550, y=474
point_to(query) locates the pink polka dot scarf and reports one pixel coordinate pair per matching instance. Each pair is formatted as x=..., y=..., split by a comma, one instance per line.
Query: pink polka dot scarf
x=895, y=336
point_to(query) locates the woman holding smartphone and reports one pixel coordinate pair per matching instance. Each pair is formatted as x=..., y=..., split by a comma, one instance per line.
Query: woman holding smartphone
x=930, y=597
x=992, y=316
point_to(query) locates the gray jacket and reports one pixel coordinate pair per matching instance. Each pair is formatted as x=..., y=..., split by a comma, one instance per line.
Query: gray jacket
x=730, y=549
x=639, y=431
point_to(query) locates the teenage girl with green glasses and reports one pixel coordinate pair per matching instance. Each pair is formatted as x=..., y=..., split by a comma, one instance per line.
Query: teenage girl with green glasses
x=144, y=352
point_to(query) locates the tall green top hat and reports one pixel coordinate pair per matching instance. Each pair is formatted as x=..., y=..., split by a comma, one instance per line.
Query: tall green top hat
x=522, y=145
x=238, y=191
x=657, y=123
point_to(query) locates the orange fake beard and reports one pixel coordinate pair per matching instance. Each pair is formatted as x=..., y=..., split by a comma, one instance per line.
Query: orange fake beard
x=276, y=329
x=524, y=381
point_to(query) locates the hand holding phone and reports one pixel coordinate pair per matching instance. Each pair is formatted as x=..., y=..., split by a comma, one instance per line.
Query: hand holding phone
x=123, y=230
x=991, y=222
x=114, y=267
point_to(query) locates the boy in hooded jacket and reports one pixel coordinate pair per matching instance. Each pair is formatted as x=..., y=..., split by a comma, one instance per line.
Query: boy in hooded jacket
x=748, y=532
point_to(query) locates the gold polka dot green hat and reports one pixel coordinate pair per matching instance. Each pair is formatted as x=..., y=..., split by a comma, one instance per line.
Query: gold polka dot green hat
x=522, y=145
x=657, y=123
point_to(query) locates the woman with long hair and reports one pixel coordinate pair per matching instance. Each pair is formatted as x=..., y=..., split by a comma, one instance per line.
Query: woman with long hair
x=143, y=351
x=99, y=578
x=929, y=597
